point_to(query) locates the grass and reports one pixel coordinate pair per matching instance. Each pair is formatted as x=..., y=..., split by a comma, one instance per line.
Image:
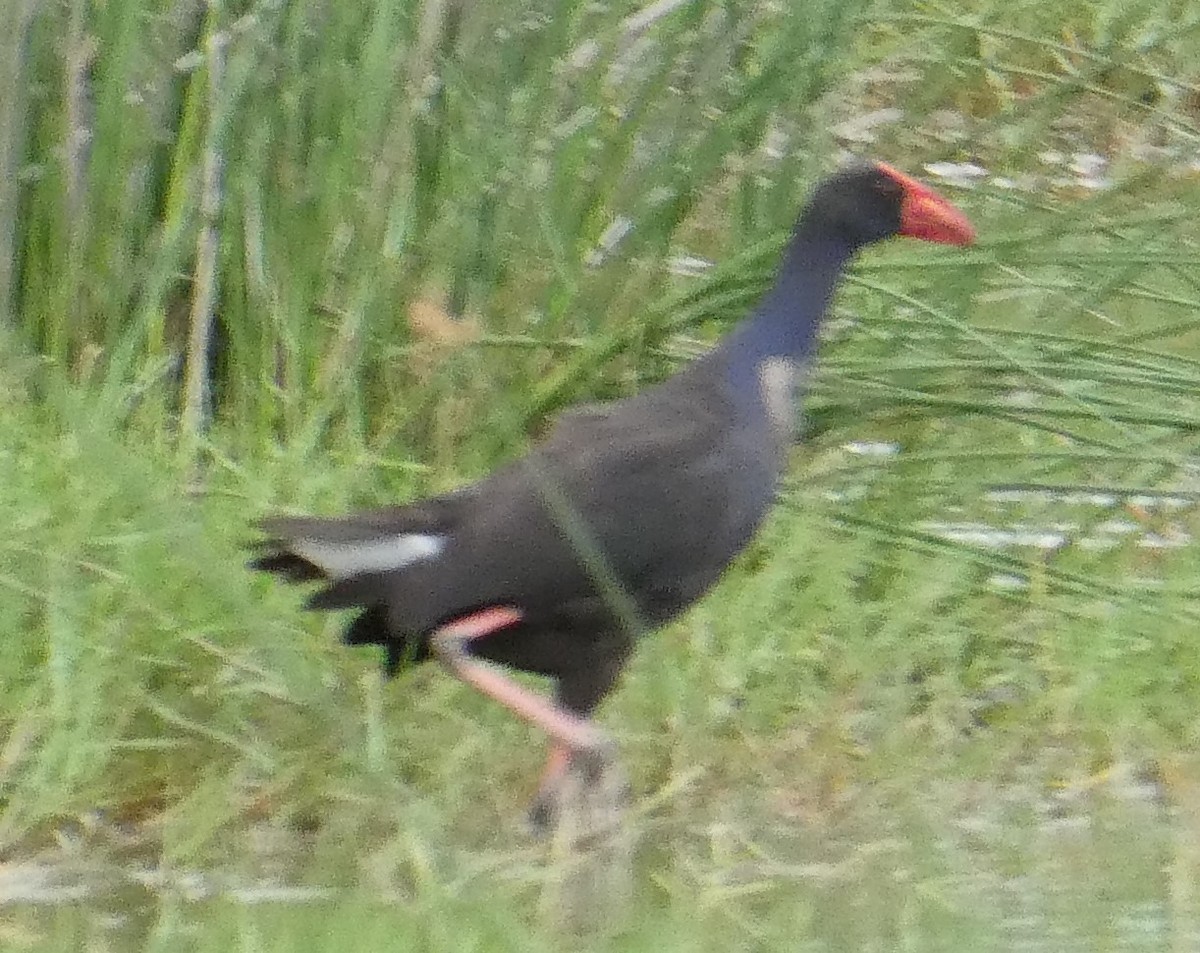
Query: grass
x=222, y=219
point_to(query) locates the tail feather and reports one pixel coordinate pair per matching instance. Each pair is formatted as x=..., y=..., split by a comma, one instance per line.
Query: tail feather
x=303, y=548
x=433, y=516
x=364, y=590
x=291, y=567
x=359, y=558
x=370, y=627
x=345, y=529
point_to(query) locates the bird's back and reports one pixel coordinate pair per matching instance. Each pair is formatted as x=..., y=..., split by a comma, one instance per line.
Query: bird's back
x=625, y=515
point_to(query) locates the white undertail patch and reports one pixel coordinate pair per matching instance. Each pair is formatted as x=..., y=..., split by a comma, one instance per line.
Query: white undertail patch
x=378, y=554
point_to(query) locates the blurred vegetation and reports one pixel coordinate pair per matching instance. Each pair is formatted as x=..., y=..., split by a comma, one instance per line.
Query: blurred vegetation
x=317, y=255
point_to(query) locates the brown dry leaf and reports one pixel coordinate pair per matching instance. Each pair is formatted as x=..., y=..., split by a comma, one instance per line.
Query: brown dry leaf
x=432, y=323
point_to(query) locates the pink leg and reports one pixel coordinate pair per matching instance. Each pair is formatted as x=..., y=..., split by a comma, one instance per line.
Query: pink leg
x=570, y=735
x=543, y=810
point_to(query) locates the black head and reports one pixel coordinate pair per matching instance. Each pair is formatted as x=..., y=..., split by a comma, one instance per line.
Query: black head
x=869, y=202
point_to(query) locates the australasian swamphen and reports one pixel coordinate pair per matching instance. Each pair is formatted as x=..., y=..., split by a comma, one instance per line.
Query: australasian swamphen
x=621, y=518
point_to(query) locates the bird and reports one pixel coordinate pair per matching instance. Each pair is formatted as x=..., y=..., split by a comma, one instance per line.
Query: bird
x=620, y=518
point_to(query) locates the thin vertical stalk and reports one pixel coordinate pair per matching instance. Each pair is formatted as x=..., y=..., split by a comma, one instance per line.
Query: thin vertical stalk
x=204, y=286
x=13, y=49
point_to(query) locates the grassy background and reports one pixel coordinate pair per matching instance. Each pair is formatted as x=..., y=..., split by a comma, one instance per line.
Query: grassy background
x=227, y=237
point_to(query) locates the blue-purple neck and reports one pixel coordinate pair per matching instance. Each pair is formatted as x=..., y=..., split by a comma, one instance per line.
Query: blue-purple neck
x=787, y=320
